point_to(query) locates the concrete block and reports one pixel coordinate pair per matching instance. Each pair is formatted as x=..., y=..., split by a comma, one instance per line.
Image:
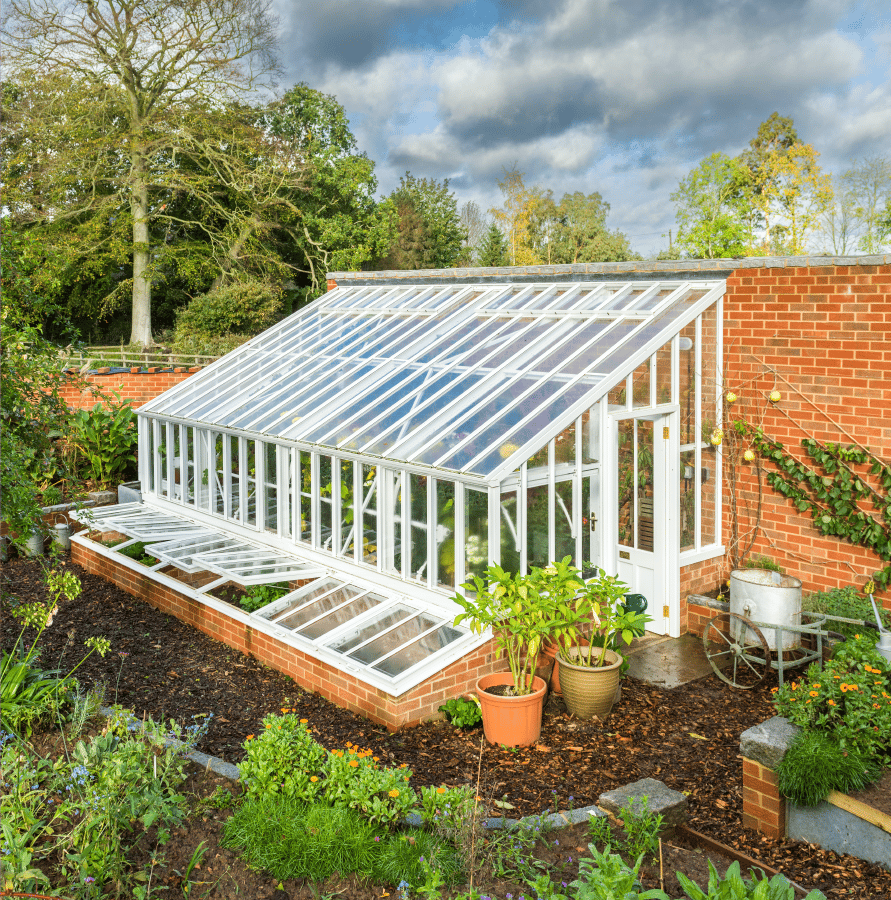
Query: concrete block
x=129, y=492
x=661, y=800
x=768, y=742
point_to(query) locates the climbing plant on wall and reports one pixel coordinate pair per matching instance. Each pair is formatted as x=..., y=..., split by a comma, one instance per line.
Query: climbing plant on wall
x=847, y=490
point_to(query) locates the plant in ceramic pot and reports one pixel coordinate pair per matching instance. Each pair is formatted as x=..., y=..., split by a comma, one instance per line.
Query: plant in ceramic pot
x=519, y=610
x=590, y=669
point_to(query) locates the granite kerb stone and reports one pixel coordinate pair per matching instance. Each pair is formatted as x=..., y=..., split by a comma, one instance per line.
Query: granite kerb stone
x=768, y=742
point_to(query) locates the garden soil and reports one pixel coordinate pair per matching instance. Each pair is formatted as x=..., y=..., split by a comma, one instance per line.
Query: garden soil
x=687, y=738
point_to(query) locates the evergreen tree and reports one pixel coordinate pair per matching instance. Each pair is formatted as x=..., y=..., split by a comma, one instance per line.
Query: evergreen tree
x=493, y=250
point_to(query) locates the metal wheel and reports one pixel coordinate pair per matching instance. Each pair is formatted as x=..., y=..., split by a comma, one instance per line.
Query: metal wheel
x=737, y=650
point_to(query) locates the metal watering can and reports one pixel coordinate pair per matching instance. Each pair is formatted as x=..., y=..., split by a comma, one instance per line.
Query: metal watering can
x=884, y=644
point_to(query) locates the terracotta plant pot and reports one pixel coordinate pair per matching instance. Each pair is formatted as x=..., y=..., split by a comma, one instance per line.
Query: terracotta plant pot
x=512, y=721
x=590, y=691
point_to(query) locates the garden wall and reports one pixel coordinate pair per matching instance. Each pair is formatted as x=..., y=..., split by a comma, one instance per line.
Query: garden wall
x=239, y=631
x=138, y=385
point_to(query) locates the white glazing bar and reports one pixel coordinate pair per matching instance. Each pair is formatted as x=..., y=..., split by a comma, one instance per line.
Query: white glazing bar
x=719, y=417
x=552, y=503
x=580, y=519
x=380, y=359
x=450, y=386
x=588, y=400
x=444, y=357
x=517, y=399
x=432, y=554
x=465, y=404
x=697, y=481
x=459, y=536
x=522, y=516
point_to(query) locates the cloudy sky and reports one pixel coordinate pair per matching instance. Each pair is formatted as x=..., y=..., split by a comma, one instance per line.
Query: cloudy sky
x=623, y=97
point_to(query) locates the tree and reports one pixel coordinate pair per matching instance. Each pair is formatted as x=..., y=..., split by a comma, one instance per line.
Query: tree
x=516, y=218
x=579, y=233
x=430, y=234
x=493, y=250
x=151, y=64
x=869, y=185
x=473, y=221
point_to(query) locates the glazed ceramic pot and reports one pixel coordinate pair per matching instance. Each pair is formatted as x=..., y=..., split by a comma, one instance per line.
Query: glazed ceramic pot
x=589, y=691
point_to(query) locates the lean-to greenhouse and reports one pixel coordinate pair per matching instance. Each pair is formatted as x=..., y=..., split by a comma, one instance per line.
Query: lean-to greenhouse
x=377, y=448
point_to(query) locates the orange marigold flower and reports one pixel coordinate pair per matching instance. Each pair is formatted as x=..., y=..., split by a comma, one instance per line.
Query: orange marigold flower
x=876, y=706
x=313, y=778
x=815, y=694
x=831, y=702
x=376, y=758
x=844, y=688
x=349, y=743
x=440, y=790
x=303, y=721
x=393, y=793
x=774, y=690
x=353, y=763
x=250, y=737
x=284, y=709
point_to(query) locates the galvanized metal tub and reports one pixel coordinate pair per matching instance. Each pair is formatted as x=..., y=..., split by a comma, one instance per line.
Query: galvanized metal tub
x=765, y=596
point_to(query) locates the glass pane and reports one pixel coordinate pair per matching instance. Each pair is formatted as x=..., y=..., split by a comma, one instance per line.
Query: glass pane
x=564, y=543
x=626, y=482
x=235, y=470
x=315, y=608
x=564, y=447
x=189, y=466
x=537, y=526
x=162, y=454
x=709, y=459
x=688, y=499
x=250, y=466
x=287, y=487
x=510, y=538
x=271, y=486
x=388, y=642
x=347, y=508
x=663, y=374
x=394, y=522
x=687, y=380
x=645, y=484
x=379, y=622
x=323, y=489
x=640, y=385
x=591, y=435
x=305, y=533
x=341, y=616
x=219, y=485
x=418, y=496
x=476, y=530
x=617, y=397
x=711, y=377
x=369, y=515
x=418, y=651
x=445, y=533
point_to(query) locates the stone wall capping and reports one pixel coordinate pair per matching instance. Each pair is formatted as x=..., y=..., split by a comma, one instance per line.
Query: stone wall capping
x=768, y=742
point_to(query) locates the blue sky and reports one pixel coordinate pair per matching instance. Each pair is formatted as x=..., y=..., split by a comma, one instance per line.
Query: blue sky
x=622, y=97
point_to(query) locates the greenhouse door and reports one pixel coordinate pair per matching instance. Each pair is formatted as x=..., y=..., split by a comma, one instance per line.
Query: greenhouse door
x=641, y=468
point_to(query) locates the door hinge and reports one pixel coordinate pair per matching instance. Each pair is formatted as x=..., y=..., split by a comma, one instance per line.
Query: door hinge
x=665, y=611
x=665, y=433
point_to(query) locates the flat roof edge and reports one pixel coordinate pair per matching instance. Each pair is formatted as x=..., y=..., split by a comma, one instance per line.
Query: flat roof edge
x=695, y=268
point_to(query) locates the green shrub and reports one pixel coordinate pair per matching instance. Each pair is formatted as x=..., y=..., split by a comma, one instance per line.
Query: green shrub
x=284, y=759
x=814, y=765
x=849, y=698
x=447, y=808
x=409, y=857
x=207, y=344
x=849, y=603
x=261, y=595
x=734, y=886
x=462, y=712
x=763, y=562
x=290, y=839
x=353, y=779
x=103, y=441
x=245, y=308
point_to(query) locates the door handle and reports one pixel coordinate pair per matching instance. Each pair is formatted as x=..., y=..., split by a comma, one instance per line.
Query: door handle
x=592, y=523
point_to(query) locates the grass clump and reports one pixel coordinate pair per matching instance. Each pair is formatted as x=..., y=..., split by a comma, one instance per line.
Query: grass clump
x=291, y=839
x=815, y=764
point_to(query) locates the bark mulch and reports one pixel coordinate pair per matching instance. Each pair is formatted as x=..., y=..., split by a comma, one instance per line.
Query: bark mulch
x=687, y=737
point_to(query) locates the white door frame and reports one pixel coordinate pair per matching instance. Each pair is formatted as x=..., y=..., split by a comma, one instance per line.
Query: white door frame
x=665, y=609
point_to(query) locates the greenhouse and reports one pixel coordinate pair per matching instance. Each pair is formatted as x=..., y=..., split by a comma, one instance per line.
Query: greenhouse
x=381, y=446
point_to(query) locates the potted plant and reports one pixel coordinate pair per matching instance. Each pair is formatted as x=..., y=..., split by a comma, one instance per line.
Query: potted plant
x=520, y=610
x=590, y=668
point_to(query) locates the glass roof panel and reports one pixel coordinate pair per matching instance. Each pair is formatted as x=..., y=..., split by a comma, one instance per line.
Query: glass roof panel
x=418, y=651
x=380, y=622
x=394, y=638
x=340, y=616
x=394, y=370
x=313, y=609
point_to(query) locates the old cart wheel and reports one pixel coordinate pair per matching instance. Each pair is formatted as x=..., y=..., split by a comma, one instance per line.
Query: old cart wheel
x=737, y=650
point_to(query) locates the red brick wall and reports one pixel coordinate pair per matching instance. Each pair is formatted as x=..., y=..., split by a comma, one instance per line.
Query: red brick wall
x=820, y=336
x=763, y=807
x=418, y=704
x=80, y=392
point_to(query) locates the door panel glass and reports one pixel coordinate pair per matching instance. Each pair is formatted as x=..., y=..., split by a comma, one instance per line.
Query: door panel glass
x=688, y=500
x=645, y=430
x=626, y=479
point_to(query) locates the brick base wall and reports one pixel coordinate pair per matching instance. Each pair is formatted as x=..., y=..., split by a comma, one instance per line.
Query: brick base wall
x=138, y=386
x=418, y=704
x=763, y=807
